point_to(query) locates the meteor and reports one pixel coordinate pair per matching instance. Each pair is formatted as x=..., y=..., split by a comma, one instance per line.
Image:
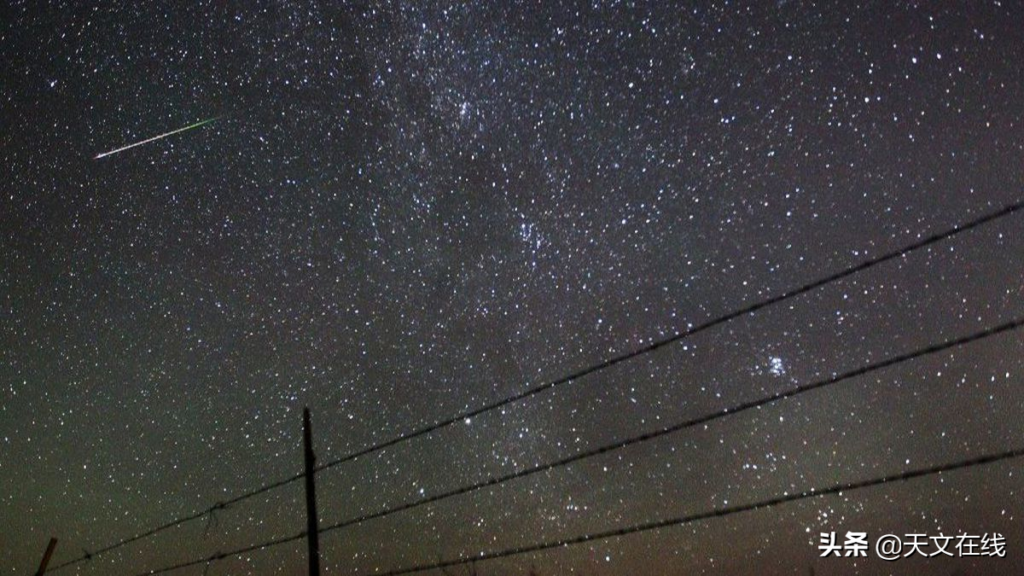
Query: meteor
x=154, y=138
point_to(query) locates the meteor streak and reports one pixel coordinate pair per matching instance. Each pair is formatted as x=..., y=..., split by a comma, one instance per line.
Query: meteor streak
x=164, y=135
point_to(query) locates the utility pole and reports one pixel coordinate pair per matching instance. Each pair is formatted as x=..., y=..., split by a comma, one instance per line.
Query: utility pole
x=312, y=522
x=46, y=557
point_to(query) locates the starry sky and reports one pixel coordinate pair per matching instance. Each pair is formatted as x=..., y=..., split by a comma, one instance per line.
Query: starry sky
x=406, y=209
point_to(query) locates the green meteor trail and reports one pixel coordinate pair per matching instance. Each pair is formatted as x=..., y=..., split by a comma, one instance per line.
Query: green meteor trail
x=164, y=135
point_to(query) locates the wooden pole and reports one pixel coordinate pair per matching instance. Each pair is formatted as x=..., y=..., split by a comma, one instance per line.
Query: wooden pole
x=46, y=557
x=312, y=523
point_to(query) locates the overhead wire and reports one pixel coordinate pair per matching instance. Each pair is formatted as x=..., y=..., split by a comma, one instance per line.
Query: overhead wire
x=737, y=409
x=578, y=374
x=715, y=513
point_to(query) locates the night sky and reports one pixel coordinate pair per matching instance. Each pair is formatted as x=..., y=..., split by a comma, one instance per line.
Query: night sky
x=407, y=209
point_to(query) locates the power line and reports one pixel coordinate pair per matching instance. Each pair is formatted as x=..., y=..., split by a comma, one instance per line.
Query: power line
x=927, y=350
x=578, y=374
x=716, y=513
x=658, y=344
x=222, y=555
x=89, y=555
x=618, y=445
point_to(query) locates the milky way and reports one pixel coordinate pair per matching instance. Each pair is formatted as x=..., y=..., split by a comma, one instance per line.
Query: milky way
x=415, y=208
